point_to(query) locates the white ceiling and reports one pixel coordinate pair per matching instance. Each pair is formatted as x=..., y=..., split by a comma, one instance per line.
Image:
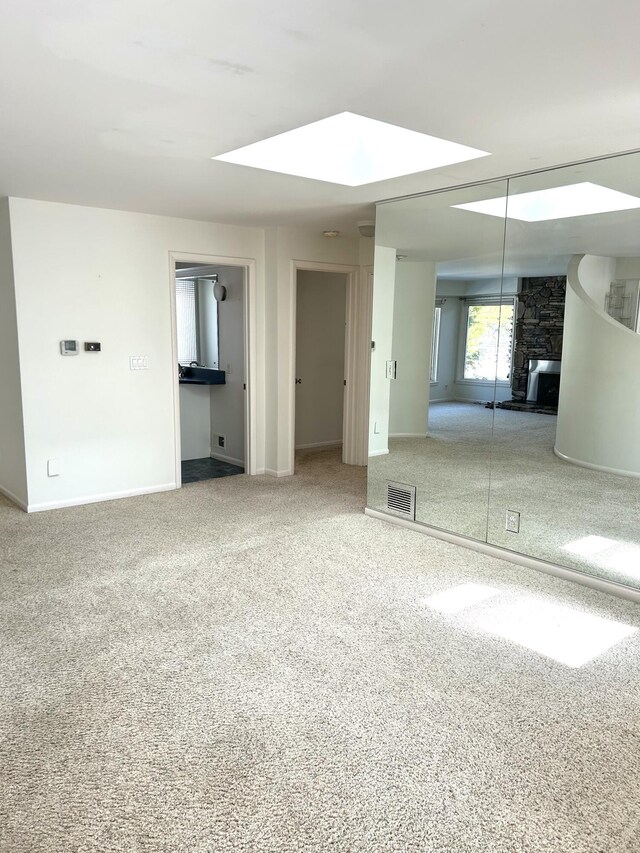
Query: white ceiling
x=121, y=103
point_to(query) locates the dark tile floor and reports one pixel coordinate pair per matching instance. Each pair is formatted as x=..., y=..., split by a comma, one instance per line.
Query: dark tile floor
x=195, y=470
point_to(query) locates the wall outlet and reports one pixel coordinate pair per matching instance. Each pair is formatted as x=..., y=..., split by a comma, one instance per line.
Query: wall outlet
x=221, y=441
x=512, y=523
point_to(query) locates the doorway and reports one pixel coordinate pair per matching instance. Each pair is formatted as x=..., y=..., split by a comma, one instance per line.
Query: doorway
x=321, y=307
x=210, y=347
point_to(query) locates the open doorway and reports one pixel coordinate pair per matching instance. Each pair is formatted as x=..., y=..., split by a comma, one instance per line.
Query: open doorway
x=210, y=312
x=321, y=301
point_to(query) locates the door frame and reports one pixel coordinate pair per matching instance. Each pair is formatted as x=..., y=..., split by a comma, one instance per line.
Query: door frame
x=250, y=360
x=356, y=377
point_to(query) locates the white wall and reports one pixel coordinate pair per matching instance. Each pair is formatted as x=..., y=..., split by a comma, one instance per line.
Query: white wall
x=598, y=409
x=627, y=268
x=596, y=274
x=195, y=421
x=13, y=477
x=105, y=275
x=228, y=400
x=320, y=339
x=413, y=309
x=384, y=280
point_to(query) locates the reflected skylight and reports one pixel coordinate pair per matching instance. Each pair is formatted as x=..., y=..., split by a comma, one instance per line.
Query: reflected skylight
x=459, y=597
x=565, y=635
x=608, y=553
x=558, y=203
x=352, y=150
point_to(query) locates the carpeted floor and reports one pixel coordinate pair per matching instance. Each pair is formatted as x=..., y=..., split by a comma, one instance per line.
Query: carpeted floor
x=251, y=664
x=468, y=474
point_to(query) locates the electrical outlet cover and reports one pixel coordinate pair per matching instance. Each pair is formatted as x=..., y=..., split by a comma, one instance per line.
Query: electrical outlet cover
x=512, y=523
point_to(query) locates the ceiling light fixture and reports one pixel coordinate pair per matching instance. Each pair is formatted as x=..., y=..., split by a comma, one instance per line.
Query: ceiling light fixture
x=352, y=150
x=582, y=199
x=331, y=233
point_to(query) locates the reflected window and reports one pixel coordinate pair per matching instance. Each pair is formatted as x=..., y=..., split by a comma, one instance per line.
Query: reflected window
x=489, y=340
x=187, y=322
x=435, y=344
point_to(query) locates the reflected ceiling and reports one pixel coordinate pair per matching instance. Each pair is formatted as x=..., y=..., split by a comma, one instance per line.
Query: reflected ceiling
x=468, y=244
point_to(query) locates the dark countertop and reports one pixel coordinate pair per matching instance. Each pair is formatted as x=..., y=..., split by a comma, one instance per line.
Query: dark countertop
x=202, y=376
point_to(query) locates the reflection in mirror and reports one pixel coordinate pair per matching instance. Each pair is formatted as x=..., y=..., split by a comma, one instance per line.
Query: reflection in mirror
x=442, y=351
x=505, y=405
x=566, y=454
x=197, y=315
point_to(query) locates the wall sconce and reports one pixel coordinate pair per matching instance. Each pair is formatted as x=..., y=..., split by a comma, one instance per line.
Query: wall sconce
x=219, y=290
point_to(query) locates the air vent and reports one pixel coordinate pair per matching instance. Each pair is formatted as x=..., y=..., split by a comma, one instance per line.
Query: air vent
x=401, y=499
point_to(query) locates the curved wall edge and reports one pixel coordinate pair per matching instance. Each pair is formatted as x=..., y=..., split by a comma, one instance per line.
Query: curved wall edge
x=599, y=407
x=582, y=464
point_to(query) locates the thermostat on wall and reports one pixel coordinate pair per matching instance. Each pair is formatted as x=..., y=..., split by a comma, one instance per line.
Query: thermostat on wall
x=69, y=347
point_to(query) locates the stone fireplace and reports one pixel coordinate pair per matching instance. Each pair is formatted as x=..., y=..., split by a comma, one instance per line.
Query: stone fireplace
x=539, y=327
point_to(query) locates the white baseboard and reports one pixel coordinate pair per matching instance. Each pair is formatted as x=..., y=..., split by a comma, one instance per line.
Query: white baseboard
x=407, y=435
x=378, y=452
x=605, y=468
x=92, y=499
x=273, y=473
x=14, y=498
x=221, y=457
x=610, y=587
x=335, y=443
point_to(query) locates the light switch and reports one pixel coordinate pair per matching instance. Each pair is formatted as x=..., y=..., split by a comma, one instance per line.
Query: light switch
x=138, y=362
x=53, y=468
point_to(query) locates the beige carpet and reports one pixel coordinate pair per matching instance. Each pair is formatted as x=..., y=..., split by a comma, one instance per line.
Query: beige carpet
x=250, y=665
x=468, y=474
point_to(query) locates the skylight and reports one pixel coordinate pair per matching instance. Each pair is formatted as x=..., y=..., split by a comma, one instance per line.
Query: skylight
x=558, y=203
x=352, y=150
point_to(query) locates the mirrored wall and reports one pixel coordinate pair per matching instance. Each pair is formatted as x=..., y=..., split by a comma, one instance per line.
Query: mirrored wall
x=505, y=405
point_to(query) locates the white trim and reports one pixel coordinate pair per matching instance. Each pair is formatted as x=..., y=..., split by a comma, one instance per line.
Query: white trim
x=407, y=435
x=336, y=443
x=489, y=382
x=378, y=452
x=604, y=468
x=271, y=472
x=222, y=458
x=351, y=398
x=250, y=353
x=610, y=587
x=109, y=496
x=14, y=499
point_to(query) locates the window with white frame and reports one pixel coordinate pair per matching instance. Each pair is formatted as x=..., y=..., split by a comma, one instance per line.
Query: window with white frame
x=488, y=342
x=435, y=344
